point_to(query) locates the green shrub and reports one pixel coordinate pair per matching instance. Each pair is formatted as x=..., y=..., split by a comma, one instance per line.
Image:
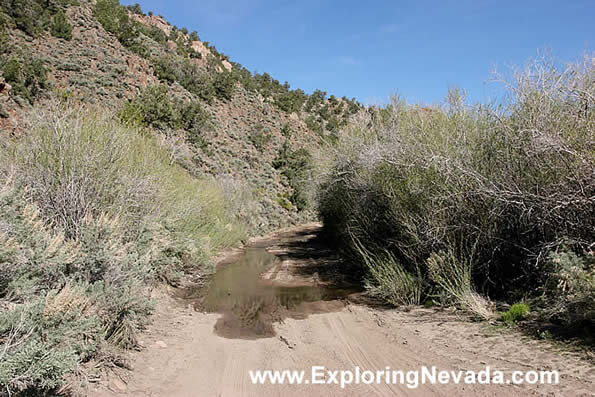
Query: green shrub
x=33, y=365
x=60, y=26
x=202, y=86
x=3, y=113
x=157, y=108
x=333, y=125
x=184, y=47
x=315, y=125
x=28, y=16
x=224, y=84
x=284, y=203
x=154, y=107
x=570, y=288
x=28, y=79
x=32, y=16
x=324, y=112
x=151, y=107
x=136, y=9
x=131, y=114
x=286, y=131
x=114, y=18
x=188, y=75
x=194, y=120
x=290, y=101
x=244, y=76
x=315, y=100
x=516, y=313
x=167, y=69
x=4, y=36
x=156, y=34
x=296, y=166
x=111, y=15
x=260, y=138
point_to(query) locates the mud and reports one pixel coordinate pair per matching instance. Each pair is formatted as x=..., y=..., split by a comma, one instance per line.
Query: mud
x=273, y=280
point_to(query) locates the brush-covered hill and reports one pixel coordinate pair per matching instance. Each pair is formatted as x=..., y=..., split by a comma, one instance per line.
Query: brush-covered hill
x=217, y=117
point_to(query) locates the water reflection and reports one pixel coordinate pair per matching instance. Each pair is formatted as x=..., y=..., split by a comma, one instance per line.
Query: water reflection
x=251, y=305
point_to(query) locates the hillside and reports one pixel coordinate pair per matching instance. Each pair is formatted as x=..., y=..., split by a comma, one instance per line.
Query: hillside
x=111, y=54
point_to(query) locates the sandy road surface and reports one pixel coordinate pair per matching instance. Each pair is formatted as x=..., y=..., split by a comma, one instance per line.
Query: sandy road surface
x=184, y=357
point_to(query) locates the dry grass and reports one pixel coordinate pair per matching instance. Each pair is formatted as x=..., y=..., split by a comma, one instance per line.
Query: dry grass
x=453, y=276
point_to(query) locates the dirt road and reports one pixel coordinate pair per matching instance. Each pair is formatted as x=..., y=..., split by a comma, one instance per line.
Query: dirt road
x=184, y=356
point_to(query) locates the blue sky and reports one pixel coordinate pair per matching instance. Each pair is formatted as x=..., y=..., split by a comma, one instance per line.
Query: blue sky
x=370, y=50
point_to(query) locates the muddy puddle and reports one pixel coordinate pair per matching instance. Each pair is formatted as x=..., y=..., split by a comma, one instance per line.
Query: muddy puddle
x=251, y=305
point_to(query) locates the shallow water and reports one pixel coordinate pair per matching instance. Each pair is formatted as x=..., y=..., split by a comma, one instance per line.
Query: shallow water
x=250, y=305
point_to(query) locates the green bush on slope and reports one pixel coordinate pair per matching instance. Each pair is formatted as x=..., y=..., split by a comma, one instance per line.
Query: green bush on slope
x=27, y=77
x=296, y=166
x=154, y=107
x=115, y=19
x=171, y=69
x=33, y=16
x=60, y=27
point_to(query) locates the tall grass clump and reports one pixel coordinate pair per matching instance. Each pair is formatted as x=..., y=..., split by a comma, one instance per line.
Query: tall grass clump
x=390, y=281
x=92, y=214
x=451, y=275
x=476, y=196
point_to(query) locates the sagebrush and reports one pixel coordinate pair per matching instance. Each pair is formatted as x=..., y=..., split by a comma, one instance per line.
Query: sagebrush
x=92, y=213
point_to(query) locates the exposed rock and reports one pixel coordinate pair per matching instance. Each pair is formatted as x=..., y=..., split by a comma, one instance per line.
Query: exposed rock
x=226, y=65
x=4, y=87
x=154, y=20
x=199, y=47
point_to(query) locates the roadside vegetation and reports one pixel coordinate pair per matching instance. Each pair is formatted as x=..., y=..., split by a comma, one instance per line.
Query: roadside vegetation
x=27, y=78
x=93, y=213
x=460, y=205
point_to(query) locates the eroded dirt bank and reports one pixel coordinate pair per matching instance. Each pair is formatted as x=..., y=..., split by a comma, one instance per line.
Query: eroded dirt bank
x=194, y=353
